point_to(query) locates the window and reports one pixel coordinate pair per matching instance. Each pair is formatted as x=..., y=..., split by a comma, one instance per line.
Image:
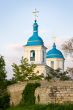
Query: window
x=32, y=55
x=43, y=56
x=52, y=64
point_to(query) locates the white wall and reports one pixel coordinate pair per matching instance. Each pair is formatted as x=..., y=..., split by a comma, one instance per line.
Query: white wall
x=58, y=63
x=38, y=54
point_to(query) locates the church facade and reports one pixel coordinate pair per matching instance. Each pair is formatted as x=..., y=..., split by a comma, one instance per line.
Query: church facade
x=35, y=52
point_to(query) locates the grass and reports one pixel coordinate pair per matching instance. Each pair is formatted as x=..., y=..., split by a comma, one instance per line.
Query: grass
x=44, y=107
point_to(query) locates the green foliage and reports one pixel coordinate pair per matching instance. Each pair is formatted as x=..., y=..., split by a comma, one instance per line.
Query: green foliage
x=57, y=74
x=28, y=93
x=4, y=97
x=36, y=77
x=2, y=73
x=62, y=75
x=10, y=81
x=44, y=107
x=50, y=75
x=24, y=71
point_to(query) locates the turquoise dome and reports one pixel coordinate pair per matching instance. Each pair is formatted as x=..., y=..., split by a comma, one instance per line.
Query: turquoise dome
x=35, y=39
x=54, y=53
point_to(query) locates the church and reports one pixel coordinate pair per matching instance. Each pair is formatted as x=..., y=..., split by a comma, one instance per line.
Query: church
x=36, y=53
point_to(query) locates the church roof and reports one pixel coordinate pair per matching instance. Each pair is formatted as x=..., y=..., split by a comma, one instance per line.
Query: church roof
x=54, y=53
x=35, y=39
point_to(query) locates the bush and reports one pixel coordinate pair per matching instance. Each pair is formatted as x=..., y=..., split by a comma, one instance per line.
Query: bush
x=4, y=100
x=4, y=97
x=28, y=93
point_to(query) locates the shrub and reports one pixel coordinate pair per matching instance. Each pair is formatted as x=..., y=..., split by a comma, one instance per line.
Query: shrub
x=28, y=96
x=4, y=97
x=4, y=100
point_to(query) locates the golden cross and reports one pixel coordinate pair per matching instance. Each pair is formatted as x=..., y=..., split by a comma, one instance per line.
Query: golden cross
x=35, y=13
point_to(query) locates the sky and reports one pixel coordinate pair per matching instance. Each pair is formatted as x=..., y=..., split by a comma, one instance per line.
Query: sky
x=55, y=19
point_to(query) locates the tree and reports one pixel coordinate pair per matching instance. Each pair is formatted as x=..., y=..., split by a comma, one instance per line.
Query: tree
x=11, y=81
x=50, y=75
x=70, y=71
x=62, y=75
x=2, y=73
x=24, y=71
x=67, y=47
x=4, y=96
x=57, y=74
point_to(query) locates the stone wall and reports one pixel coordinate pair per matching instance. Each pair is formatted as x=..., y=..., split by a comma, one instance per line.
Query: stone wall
x=55, y=92
x=15, y=92
x=49, y=92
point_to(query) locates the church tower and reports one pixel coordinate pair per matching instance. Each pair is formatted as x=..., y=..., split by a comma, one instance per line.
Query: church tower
x=55, y=58
x=34, y=50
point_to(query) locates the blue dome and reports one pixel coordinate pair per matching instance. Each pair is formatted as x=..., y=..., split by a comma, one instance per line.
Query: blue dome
x=35, y=39
x=54, y=53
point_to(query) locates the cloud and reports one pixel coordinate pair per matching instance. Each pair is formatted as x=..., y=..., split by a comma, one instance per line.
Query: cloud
x=50, y=42
x=15, y=47
x=14, y=50
x=9, y=61
x=13, y=54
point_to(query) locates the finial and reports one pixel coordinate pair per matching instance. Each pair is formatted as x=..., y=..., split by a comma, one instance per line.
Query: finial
x=35, y=14
x=54, y=45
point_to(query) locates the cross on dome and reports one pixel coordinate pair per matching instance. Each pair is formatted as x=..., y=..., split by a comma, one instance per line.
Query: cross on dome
x=35, y=14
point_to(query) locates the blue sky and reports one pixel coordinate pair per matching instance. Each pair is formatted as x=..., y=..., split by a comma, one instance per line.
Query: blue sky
x=55, y=18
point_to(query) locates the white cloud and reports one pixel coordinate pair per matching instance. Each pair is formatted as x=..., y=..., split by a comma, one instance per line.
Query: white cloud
x=13, y=54
x=15, y=47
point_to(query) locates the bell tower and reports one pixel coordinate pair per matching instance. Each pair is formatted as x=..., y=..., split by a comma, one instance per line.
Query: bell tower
x=34, y=50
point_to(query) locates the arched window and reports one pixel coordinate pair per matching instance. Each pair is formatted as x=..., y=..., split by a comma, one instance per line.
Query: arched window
x=32, y=55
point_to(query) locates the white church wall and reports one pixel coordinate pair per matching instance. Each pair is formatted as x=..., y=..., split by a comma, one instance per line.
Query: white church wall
x=58, y=63
x=38, y=54
x=40, y=69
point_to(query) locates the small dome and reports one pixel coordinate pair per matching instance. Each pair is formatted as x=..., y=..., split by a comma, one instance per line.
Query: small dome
x=35, y=39
x=54, y=53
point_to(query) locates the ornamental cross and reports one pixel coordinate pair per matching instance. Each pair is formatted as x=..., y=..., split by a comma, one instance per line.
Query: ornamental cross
x=35, y=14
